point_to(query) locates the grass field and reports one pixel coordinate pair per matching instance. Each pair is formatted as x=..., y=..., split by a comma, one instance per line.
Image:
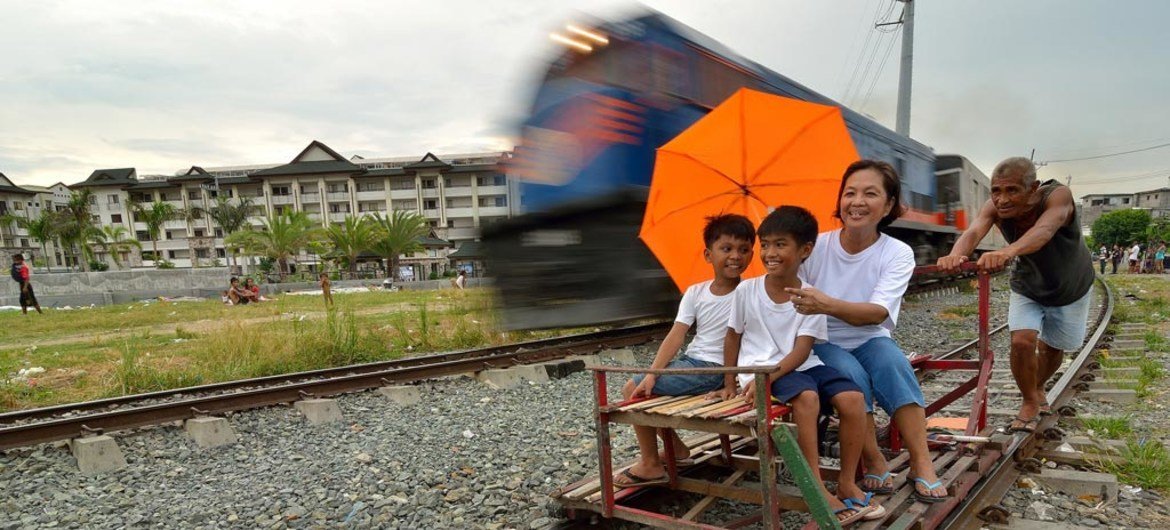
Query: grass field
x=131, y=348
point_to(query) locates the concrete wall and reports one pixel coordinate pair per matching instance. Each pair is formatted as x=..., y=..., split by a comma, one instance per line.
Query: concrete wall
x=118, y=287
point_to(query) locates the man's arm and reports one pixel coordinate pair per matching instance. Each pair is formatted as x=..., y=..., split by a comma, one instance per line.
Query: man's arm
x=1058, y=209
x=970, y=238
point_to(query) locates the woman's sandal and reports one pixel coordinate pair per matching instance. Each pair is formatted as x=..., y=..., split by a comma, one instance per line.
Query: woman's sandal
x=930, y=486
x=884, y=489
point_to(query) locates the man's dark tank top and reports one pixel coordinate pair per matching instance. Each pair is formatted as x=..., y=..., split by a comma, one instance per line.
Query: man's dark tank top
x=1061, y=272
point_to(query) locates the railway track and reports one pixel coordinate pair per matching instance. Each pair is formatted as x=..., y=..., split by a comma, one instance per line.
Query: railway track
x=35, y=426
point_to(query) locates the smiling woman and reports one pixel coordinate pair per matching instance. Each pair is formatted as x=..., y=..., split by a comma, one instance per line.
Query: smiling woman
x=863, y=311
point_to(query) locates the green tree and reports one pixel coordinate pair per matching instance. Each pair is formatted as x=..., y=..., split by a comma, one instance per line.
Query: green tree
x=351, y=238
x=76, y=224
x=280, y=237
x=230, y=216
x=1159, y=230
x=43, y=228
x=398, y=234
x=1121, y=227
x=114, y=240
x=154, y=216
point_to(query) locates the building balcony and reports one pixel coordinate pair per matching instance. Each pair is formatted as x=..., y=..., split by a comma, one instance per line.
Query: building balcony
x=175, y=224
x=311, y=196
x=373, y=195
x=167, y=244
x=493, y=211
x=202, y=242
x=314, y=216
x=114, y=208
x=403, y=194
x=492, y=190
x=431, y=213
x=337, y=196
x=282, y=199
x=461, y=211
x=430, y=193
x=337, y=217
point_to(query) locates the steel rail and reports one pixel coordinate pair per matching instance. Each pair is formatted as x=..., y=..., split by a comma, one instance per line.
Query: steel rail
x=231, y=386
x=33, y=433
x=989, y=491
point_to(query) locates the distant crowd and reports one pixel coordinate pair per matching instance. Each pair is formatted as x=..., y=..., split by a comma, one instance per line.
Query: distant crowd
x=1148, y=259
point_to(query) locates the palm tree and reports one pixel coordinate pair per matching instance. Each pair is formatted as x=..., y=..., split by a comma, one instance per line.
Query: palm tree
x=398, y=233
x=351, y=238
x=154, y=217
x=231, y=217
x=280, y=237
x=43, y=228
x=114, y=240
x=76, y=224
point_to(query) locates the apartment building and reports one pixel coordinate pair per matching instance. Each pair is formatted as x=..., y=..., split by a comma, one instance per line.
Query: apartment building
x=16, y=202
x=457, y=194
x=1095, y=205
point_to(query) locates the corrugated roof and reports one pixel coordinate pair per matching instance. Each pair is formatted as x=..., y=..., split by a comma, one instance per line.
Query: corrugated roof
x=468, y=250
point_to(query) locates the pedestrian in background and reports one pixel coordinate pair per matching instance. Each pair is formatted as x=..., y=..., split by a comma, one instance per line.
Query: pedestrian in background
x=1115, y=256
x=21, y=274
x=1102, y=257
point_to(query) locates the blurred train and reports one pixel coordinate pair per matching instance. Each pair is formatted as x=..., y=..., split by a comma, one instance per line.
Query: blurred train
x=615, y=93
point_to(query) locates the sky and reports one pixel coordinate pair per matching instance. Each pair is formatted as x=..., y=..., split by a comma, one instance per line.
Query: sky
x=163, y=85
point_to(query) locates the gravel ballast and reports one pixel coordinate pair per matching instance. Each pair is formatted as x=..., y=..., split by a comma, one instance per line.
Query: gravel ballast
x=467, y=456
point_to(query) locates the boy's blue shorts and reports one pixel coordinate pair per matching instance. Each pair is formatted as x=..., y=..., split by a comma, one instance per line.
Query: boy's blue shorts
x=823, y=380
x=685, y=385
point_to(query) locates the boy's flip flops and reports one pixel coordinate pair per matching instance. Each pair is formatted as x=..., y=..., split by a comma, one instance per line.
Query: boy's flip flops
x=869, y=513
x=634, y=481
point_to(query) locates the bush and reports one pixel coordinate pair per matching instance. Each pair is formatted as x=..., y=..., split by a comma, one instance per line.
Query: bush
x=433, y=276
x=166, y=264
x=449, y=273
x=98, y=266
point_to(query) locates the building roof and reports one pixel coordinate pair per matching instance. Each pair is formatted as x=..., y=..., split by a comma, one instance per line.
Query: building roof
x=431, y=241
x=1151, y=191
x=392, y=172
x=429, y=161
x=469, y=168
x=109, y=177
x=237, y=180
x=8, y=186
x=468, y=250
x=195, y=174
x=315, y=159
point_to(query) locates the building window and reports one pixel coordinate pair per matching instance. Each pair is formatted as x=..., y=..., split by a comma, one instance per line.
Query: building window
x=428, y=183
x=112, y=199
x=193, y=195
x=450, y=223
x=429, y=204
x=142, y=235
x=23, y=242
x=280, y=190
x=162, y=196
x=494, y=180
x=97, y=219
x=338, y=187
x=220, y=253
x=219, y=232
x=198, y=232
x=171, y=254
x=17, y=205
x=116, y=218
x=93, y=200
x=370, y=186
x=201, y=253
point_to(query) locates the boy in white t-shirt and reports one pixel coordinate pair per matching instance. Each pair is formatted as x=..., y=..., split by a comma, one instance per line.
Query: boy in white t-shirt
x=705, y=305
x=764, y=329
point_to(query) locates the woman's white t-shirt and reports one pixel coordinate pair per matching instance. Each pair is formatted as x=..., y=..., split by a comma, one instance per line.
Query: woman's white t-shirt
x=877, y=275
x=707, y=313
x=769, y=329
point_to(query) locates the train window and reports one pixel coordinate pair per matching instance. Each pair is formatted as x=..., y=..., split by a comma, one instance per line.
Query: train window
x=669, y=73
x=719, y=79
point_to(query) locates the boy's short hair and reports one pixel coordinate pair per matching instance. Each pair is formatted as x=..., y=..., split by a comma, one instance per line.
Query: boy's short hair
x=728, y=224
x=790, y=220
x=233, y=280
x=18, y=257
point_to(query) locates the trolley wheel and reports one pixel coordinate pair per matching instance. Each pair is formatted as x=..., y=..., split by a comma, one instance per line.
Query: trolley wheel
x=995, y=514
x=1053, y=434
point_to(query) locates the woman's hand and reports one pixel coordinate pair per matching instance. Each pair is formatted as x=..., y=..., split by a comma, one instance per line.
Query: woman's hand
x=810, y=301
x=749, y=393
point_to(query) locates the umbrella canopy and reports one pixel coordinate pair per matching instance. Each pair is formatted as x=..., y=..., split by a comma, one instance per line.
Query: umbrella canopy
x=751, y=154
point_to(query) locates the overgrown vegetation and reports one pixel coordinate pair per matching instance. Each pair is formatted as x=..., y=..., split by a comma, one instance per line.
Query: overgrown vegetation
x=1112, y=427
x=1142, y=462
x=165, y=345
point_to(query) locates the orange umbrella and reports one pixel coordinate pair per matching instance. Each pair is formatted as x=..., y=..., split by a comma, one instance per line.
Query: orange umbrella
x=752, y=153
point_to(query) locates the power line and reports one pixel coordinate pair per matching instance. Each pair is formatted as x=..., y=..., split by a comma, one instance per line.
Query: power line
x=878, y=75
x=1128, y=178
x=1124, y=145
x=861, y=56
x=1108, y=155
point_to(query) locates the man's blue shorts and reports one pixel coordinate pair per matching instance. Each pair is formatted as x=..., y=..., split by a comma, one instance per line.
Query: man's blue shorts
x=823, y=380
x=685, y=385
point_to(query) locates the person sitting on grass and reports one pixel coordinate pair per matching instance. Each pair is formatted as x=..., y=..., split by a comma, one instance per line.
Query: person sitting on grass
x=705, y=306
x=237, y=294
x=765, y=329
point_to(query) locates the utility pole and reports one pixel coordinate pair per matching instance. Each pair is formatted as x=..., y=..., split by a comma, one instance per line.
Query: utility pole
x=902, y=125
